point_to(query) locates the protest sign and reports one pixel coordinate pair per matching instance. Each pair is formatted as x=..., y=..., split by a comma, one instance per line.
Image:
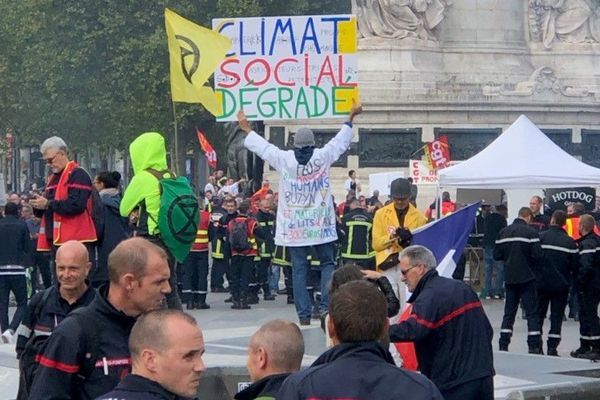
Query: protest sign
x=421, y=174
x=288, y=67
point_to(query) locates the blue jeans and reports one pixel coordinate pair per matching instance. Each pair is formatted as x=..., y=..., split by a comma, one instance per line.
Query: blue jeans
x=274, y=279
x=497, y=287
x=300, y=267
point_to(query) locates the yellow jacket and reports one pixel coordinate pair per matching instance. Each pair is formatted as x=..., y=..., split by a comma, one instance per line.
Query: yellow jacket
x=385, y=224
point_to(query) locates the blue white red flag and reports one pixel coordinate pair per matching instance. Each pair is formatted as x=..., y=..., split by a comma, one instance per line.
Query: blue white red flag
x=446, y=237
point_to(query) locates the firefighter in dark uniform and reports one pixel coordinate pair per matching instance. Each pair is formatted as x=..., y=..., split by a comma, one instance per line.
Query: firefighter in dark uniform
x=518, y=245
x=588, y=290
x=219, y=263
x=356, y=227
x=230, y=206
x=195, y=266
x=266, y=222
x=554, y=275
x=282, y=259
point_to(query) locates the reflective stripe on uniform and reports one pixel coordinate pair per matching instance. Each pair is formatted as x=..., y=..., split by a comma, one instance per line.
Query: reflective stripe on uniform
x=559, y=248
x=517, y=239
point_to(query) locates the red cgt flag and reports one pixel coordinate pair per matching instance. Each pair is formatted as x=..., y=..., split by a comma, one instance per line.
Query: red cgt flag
x=438, y=153
x=207, y=148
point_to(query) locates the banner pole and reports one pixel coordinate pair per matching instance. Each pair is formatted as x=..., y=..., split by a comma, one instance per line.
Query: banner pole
x=175, y=159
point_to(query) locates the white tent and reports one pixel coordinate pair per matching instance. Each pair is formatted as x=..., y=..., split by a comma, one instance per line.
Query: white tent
x=522, y=157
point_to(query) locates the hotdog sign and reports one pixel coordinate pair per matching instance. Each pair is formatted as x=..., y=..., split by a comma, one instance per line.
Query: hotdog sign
x=288, y=67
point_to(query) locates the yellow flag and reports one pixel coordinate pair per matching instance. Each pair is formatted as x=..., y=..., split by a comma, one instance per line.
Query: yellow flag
x=194, y=53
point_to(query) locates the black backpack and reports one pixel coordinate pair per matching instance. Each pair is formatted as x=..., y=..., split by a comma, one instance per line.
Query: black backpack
x=238, y=235
x=28, y=363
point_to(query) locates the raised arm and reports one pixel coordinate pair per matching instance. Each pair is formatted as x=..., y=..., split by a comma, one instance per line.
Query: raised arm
x=258, y=145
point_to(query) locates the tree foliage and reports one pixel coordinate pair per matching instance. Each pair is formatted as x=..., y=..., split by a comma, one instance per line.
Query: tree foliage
x=96, y=72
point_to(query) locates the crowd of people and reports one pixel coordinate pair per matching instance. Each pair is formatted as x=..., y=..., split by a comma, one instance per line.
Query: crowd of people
x=107, y=289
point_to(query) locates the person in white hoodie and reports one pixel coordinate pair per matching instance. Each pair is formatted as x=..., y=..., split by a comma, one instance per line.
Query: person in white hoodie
x=305, y=212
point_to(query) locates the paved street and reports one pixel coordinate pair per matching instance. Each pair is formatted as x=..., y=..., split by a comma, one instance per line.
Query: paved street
x=227, y=331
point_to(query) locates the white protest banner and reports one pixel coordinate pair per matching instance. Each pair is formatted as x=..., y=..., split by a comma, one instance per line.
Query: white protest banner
x=421, y=174
x=382, y=182
x=288, y=67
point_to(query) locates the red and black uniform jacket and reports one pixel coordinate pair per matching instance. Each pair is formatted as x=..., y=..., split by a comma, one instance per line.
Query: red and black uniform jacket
x=51, y=314
x=363, y=370
x=451, y=333
x=252, y=229
x=56, y=378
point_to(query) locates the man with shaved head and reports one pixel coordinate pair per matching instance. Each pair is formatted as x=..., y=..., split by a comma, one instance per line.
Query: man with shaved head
x=587, y=284
x=166, y=352
x=274, y=352
x=48, y=308
x=88, y=353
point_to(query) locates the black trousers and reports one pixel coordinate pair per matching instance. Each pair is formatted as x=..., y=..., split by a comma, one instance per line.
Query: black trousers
x=195, y=276
x=220, y=267
x=263, y=268
x=589, y=324
x=557, y=301
x=479, y=389
x=18, y=285
x=41, y=260
x=514, y=293
x=240, y=273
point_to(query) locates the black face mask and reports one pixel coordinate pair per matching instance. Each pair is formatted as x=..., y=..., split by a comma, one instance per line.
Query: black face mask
x=304, y=154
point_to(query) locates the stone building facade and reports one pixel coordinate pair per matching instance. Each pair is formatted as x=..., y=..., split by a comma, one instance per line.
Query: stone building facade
x=467, y=69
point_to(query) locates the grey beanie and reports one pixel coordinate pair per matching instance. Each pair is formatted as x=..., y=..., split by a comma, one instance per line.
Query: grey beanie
x=304, y=137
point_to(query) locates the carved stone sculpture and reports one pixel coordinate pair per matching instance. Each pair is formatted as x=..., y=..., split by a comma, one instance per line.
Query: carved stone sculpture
x=399, y=19
x=570, y=21
x=237, y=155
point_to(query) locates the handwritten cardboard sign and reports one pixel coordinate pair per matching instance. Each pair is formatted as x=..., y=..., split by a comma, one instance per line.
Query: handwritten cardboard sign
x=288, y=67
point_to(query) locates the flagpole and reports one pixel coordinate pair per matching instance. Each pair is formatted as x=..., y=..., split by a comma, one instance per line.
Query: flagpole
x=176, y=142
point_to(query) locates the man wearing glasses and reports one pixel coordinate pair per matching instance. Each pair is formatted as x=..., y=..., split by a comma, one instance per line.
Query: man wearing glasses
x=449, y=328
x=65, y=208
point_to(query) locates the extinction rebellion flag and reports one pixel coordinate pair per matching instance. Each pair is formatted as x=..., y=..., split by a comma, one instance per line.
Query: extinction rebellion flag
x=194, y=53
x=209, y=151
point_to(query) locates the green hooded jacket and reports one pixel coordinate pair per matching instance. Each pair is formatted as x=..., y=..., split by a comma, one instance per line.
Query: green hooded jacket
x=146, y=151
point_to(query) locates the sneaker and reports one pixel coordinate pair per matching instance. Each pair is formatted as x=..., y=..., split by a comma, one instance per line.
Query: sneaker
x=7, y=336
x=282, y=291
x=305, y=322
x=488, y=297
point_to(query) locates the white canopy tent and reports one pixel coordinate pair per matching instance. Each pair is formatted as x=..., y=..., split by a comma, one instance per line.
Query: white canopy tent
x=522, y=161
x=522, y=157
